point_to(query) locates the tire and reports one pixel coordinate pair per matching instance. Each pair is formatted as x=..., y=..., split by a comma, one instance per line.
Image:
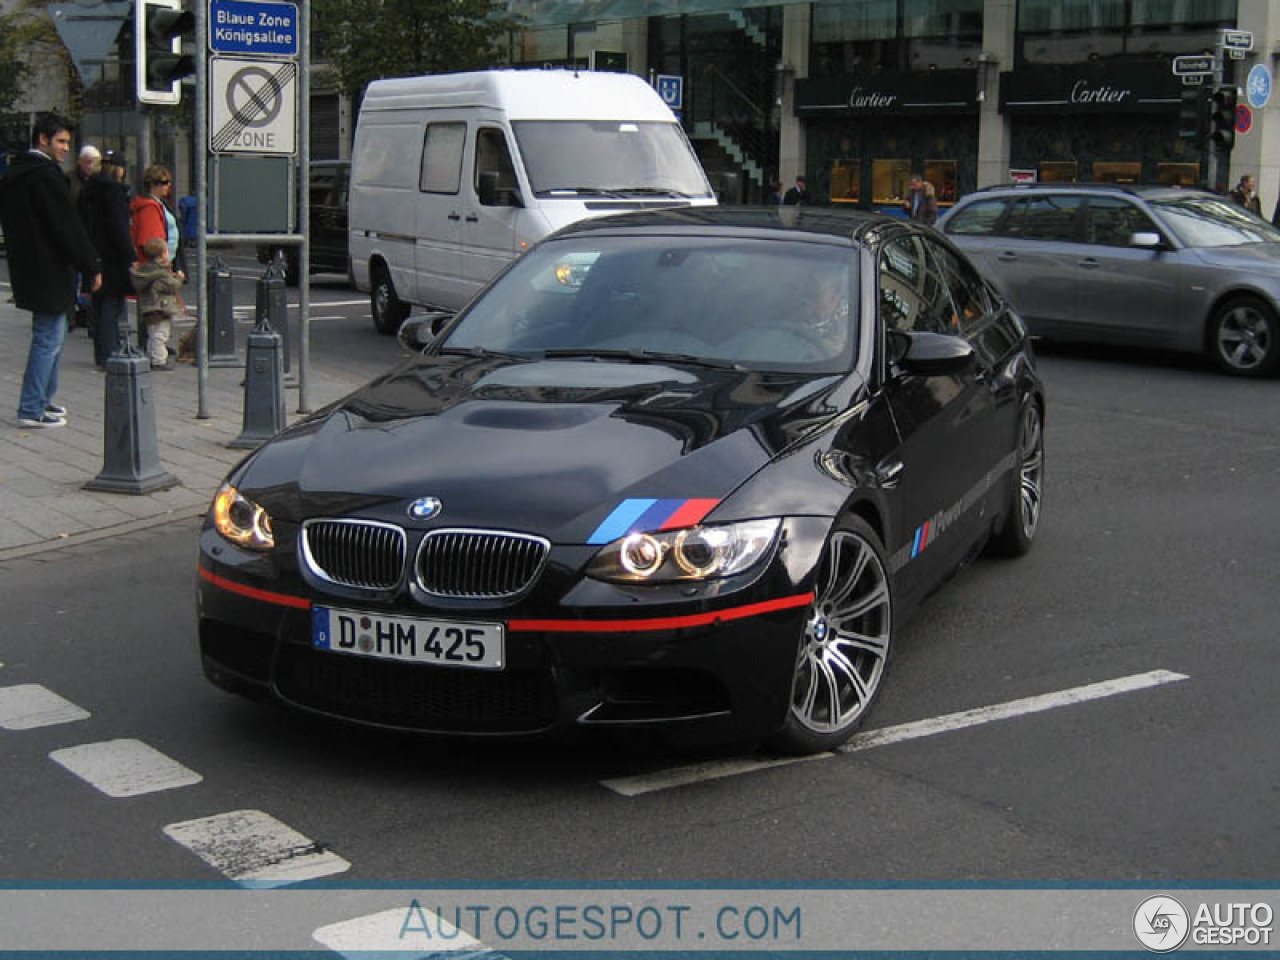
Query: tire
x=1022, y=515
x=1244, y=338
x=388, y=310
x=844, y=651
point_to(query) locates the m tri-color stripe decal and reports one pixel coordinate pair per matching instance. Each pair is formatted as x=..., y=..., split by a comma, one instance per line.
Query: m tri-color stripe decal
x=641, y=514
x=921, y=540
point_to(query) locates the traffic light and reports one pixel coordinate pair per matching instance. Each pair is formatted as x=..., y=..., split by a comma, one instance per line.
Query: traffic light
x=159, y=27
x=1222, y=116
x=1191, y=113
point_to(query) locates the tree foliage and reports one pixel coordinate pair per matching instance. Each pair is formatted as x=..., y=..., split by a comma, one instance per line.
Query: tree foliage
x=25, y=32
x=371, y=39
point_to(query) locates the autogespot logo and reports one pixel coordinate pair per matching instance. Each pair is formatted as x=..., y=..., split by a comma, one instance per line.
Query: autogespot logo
x=1161, y=924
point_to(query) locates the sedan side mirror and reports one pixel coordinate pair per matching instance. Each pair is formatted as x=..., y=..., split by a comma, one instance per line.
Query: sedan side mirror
x=929, y=354
x=1147, y=240
x=420, y=330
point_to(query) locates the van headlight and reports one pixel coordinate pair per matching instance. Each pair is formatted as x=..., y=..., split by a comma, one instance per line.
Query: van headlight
x=692, y=553
x=240, y=520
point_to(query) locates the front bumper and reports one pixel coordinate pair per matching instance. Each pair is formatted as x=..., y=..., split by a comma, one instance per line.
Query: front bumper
x=709, y=663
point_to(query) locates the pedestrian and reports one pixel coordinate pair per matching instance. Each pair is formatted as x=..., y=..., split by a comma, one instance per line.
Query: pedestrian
x=798, y=195
x=775, y=193
x=104, y=209
x=922, y=200
x=159, y=300
x=47, y=249
x=87, y=164
x=1246, y=194
x=150, y=211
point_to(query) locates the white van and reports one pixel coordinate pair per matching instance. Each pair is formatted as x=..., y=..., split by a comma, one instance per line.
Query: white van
x=454, y=175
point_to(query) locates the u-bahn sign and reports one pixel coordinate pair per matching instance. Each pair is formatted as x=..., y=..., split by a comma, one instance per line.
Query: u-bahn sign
x=253, y=106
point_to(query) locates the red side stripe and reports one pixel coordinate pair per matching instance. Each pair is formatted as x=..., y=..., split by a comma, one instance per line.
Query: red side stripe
x=689, y=513
x=659, y=623
x=266, y=596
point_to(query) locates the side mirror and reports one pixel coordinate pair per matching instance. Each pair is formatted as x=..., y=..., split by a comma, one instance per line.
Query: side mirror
x=418, y=331
x=492, y=194
x=1147, y=240
x=929, y=354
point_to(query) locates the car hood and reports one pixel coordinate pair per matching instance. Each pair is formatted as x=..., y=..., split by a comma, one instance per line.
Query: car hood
x=545, y=446
x=1243, y=257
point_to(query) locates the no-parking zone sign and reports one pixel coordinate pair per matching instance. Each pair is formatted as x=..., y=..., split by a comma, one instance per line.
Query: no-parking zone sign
x=253, y=106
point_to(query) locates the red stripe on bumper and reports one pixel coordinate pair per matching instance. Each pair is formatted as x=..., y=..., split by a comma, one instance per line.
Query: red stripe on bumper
x=659, y=623
x=266, y=596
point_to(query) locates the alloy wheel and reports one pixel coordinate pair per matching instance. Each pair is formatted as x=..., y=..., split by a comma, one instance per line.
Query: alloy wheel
x=1031, y=469
x=1244, y=338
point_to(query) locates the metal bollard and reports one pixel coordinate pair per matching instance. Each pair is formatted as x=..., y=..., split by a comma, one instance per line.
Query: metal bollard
x=221, y=325
x=131, y=460
x=272, y=296
x=264, y=415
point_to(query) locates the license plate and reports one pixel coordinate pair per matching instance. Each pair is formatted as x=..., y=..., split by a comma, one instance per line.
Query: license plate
x=448, y=643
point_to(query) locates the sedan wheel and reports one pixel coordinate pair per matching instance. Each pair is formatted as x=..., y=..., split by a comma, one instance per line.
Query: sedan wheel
x=1244, y=338
x=1023, y=516
x=846, y=643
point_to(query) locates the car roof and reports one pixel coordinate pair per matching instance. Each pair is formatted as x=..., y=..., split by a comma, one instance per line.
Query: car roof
x=1148, y=191
x=852, y=227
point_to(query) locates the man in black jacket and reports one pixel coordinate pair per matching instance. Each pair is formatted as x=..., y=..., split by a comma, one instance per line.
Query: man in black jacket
x=104, y=211
x=47, y=247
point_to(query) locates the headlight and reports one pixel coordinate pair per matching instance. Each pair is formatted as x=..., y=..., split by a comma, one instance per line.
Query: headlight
x=241, y=520
x=694, y=553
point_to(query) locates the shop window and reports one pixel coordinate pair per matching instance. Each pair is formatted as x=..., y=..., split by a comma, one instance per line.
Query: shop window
x=942, y=174
x=890, y=181
x=868, y=36
x=1112, y=222
x=1043, y=218
x=1178, y=174
x=1058, y=171
x=1111, y=171
x=543, y=45
x=846, y=174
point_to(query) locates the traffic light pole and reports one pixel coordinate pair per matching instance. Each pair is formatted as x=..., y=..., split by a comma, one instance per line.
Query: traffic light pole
x=1211, y=148
x=200, y=153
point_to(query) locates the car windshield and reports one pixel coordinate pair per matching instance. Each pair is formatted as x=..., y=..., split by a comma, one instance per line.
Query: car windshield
x=759, y=304
x=609, y=158
x=1200, y=221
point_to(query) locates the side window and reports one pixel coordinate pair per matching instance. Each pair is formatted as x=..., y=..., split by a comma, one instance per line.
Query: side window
x=968, y=293
x=492, y=154
x=913, y=295
x=977, y=219
x=1111, y=221
x=442, y=158
x=1051, y=217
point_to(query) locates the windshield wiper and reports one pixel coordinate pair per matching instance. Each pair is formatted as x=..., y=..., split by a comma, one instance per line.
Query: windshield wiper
x=649, y=192
x=643, y=356
x=482, y=352
x=578, y=192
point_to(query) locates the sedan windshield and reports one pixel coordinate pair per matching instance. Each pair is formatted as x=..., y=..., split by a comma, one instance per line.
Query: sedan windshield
x=770, y=305
x=609, y=158
x=1200, y=221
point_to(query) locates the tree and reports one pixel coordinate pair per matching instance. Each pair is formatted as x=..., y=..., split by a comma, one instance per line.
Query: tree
x=367, y=40
x=31, y=55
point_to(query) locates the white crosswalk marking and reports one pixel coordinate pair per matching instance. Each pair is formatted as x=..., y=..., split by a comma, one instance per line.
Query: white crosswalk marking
x=30, y=705
x=255, y=849
x=125, y=768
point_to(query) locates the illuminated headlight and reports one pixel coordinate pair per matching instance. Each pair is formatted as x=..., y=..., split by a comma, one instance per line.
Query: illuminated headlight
x=694, y=553
x=241, y=520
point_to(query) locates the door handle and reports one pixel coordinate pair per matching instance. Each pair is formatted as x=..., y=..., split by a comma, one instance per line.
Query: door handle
x=455, y=216
x=472, y=218
x=889, y=473
x=1089, y=263
x=1007, y=256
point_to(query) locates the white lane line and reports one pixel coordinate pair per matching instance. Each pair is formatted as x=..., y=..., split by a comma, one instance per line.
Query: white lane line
x=1014, y=708
x=29, y=705
x=411, y=932
x=125, y=768
x=255, y=849
x=714, y=770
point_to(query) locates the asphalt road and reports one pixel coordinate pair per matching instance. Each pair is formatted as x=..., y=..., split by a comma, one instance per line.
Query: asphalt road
x=1156, y=553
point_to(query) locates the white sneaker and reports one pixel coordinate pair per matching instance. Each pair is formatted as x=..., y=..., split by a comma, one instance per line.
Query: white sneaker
x=45, y=421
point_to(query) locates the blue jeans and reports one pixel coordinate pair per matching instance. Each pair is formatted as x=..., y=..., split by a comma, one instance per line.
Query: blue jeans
x=40, y=382
x=110, y=314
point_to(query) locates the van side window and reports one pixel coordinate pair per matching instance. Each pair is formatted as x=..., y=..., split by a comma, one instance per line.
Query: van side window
x=492, y=154
x=442, y=158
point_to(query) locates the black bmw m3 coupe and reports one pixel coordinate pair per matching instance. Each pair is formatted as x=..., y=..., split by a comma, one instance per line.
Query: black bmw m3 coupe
x=685, y=470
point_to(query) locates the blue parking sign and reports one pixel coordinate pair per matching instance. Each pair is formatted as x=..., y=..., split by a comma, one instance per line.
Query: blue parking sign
x=671, y=90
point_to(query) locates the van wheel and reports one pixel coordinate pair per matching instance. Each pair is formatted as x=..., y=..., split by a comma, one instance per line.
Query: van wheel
x=1244, y=337
x=388, y=310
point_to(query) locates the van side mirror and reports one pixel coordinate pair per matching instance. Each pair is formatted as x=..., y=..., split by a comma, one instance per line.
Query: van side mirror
x=420, y=330
x=493, y=195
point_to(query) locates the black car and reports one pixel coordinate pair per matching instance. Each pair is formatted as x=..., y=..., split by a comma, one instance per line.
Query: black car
x=328, y=191
x=686, y=470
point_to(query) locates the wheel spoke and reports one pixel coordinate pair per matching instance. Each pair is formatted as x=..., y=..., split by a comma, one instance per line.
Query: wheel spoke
x=864, y=643
x=831, y=685
x=877, y=596
x=839, y=663
x=838, y=598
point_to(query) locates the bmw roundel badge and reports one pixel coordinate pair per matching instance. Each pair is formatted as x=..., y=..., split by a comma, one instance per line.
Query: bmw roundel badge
x=424, y=508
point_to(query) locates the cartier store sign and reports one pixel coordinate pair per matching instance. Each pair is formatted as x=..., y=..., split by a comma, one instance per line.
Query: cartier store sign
x=884, y=94
x=1091, y=87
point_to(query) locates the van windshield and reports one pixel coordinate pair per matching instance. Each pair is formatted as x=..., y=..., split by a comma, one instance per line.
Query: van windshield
x=616, y=158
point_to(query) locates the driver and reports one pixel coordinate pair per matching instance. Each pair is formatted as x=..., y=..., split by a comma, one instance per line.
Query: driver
x=824, y=311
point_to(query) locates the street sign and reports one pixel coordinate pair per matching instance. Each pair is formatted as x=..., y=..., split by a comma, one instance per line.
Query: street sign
x=1192, y=66
x=1258, y=86
x=1236, y=40
x=671, y=90
x=256, y=28
x=253, y=106
x=1244, y=119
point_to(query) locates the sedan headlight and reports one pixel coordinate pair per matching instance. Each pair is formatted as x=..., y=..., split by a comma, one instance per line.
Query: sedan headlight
x=242, y=521
x=693, y=553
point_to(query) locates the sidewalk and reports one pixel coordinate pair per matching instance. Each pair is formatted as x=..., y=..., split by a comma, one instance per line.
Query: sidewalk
x=43, y=472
